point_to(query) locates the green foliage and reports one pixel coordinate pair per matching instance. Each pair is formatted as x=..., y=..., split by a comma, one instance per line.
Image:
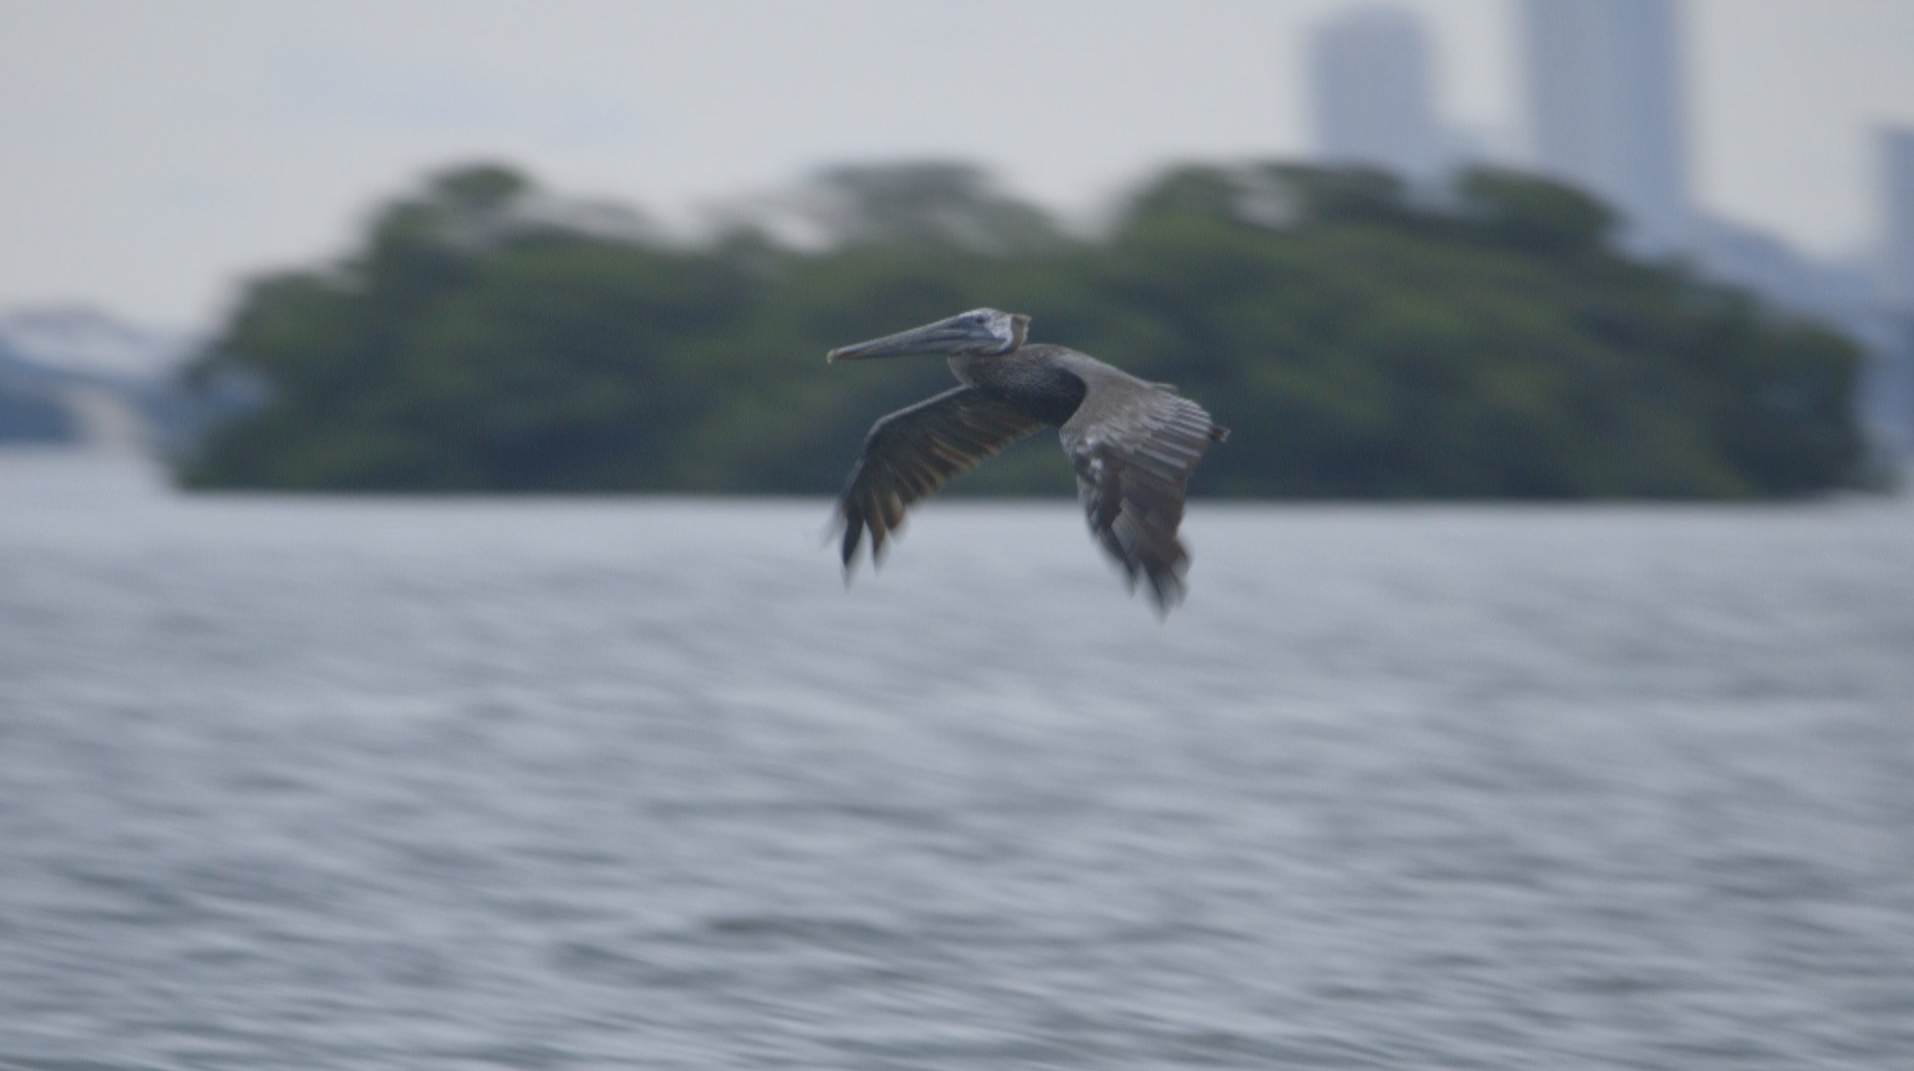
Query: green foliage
x=1358, y=342
x=1541, y=217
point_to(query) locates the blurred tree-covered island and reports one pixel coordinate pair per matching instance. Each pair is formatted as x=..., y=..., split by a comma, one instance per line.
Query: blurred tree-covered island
x=1359, y=341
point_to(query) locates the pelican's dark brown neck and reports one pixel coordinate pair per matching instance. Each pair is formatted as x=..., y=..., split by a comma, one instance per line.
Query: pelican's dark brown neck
x=1035, y=379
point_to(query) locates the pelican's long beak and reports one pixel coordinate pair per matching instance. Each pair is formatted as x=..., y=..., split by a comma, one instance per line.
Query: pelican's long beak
x=945, y=337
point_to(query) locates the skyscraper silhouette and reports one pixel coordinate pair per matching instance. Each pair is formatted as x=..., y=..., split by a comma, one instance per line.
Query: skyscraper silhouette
x=1372, y=92
x=1897, y=195
x=1892, y=373
x=1605, y=107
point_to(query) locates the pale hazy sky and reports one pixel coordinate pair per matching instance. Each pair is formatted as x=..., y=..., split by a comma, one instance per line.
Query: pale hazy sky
x=156, y=153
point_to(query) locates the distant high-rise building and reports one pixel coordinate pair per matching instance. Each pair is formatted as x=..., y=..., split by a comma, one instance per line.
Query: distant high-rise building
x=1605, y=103
x=1897, y=180
x=1892, y=370
x=1372, y=87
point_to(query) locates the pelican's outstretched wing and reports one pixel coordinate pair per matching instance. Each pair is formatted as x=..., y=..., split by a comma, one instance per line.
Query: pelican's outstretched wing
x=909, y=454
x=1134, y=445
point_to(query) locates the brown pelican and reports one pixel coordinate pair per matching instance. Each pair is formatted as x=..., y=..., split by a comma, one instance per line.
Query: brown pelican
x=1134, y=443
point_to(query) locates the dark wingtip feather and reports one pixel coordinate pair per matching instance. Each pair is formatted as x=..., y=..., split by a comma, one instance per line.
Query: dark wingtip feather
x=1167, y=588
x=853, y=535
x=909, y=454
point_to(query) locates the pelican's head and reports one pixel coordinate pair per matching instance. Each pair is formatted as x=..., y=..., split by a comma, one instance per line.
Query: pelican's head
x=977, y=333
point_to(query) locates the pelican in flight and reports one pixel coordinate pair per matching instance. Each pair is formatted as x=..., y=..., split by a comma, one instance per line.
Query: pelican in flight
x=1134, y=443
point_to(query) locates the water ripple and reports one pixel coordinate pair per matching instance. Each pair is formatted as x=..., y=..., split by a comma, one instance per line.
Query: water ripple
x=290, y=784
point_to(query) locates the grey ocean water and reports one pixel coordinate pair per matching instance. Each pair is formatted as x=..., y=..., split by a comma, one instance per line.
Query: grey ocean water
x=328, y=783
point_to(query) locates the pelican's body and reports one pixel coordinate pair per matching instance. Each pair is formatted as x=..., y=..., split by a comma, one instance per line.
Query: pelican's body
x=1134, y=443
